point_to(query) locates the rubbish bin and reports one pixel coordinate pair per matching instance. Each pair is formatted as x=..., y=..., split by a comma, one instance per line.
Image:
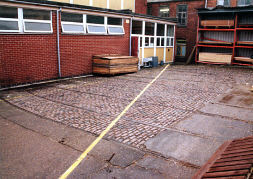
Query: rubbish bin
x=154, y=61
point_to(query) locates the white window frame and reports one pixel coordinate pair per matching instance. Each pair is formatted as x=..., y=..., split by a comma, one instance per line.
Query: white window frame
x=13, y=20
x=120, y=26
x=98, y=25
x=74, y=23
x=170, y=39
x=149, y=41
x=39, y=21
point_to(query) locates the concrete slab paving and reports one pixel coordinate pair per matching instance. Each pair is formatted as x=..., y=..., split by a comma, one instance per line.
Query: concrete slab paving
x=229, y=111
x=171, y=168
x=216, y=127
x=183, y=147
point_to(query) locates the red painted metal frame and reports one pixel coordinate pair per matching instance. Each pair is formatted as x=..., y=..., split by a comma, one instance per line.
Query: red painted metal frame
x=235, y=30
x=201, y=45
x=217, y=30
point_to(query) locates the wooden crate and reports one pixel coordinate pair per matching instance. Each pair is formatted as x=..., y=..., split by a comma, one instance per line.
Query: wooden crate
x=217, y=23
x=215, y=57
x=114, y=64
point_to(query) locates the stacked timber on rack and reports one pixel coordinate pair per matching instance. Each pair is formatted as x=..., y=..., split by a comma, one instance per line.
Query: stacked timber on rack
x=114, y=64
x=215, y=57
x=217, y=23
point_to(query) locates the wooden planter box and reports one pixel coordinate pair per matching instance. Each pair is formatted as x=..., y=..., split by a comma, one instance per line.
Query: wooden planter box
x=217, y=23
x=215, y=57
x=114, y=64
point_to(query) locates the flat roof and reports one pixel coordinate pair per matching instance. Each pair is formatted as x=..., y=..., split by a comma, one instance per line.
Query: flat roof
x=222, y=9
x=125, y=12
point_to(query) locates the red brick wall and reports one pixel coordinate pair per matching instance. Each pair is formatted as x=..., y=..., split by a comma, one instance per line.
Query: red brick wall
x=141, y=6
x=189, y=33
x=77, y=50
x=213, y=3
x=29, y=58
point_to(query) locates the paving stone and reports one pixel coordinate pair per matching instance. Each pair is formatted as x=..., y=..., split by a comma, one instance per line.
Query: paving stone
x=217, y=127
x=229, y=111
x=191, y=149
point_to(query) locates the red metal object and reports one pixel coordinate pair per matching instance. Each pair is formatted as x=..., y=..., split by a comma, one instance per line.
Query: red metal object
x=236, y=28
x=234, y=159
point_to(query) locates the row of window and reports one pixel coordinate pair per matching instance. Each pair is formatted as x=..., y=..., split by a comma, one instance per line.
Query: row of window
x=30, y=20
x=137, y=27
x=164, y=11
x=160, y=41
x=24, y=20
x=239, y=2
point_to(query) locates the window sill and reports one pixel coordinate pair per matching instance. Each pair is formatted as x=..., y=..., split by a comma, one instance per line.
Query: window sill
x=26, y=33
x=81, y=34
x=182, y=26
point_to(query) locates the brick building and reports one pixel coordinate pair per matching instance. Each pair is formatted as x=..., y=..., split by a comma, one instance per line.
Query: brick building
x=41, y=40
x=186, y=12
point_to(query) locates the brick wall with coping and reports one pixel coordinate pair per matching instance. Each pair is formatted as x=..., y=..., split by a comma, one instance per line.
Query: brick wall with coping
x=33, y=57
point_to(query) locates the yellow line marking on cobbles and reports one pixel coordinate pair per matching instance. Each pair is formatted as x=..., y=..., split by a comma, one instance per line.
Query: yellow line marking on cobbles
x=95, y=142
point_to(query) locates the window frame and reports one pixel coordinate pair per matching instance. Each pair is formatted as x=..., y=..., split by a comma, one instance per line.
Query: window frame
x=11, y=19
x=186, y=14
x=223, y=4
x=164, y=6
x=244, y=4
x=38, y=21
x=119, y=26
x=74, y=23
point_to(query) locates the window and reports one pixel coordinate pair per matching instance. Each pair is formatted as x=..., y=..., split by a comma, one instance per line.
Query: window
x=170, y=30
x=149, y=9
x=223, y=3
x=37, y=20
x=182, y=15
x=149, y=28
x=115, y=26
x=164, y=11
x=181, y=47
x=160, y=29
x=170, y=42
x=8, y=19
x=96, y=24
x=72, y=23
x=136, y=27
x=244, y=2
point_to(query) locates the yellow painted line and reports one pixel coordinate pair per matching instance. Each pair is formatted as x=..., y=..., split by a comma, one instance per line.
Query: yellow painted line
x=95, y=142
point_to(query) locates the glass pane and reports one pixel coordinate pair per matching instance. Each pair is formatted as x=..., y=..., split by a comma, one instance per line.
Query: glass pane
x=140, y=41
x=68, y=17
x=160, y=29
x=95, y=19
x=73, y=28
x=151, y=42
x=183, y=50
x=171, y=42
x=179, y=50
x=8, y=12
x=36, y=14
x=158, y=42
x=168, y=42
x=36, y=26
x=115, y=30
x=162, y=42
x=170, y=30
x=137, y=27
x=96, y=29
x=146, y=41
x=149, y=28
x=164, y=11
x=114, y=21
x=8, y=25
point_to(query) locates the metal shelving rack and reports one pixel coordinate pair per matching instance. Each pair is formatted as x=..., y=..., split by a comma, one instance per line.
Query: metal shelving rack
x=235, y=45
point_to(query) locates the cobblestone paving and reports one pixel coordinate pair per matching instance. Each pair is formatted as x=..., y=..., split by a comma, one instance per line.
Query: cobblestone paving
x=92, y=103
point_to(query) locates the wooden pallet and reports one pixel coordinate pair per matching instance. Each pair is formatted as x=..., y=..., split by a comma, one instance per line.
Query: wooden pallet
x=234, y=160
x=114, y=64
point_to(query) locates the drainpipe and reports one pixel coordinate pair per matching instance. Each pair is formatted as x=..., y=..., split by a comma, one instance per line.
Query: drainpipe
x=130, y=39
x=58, y=44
